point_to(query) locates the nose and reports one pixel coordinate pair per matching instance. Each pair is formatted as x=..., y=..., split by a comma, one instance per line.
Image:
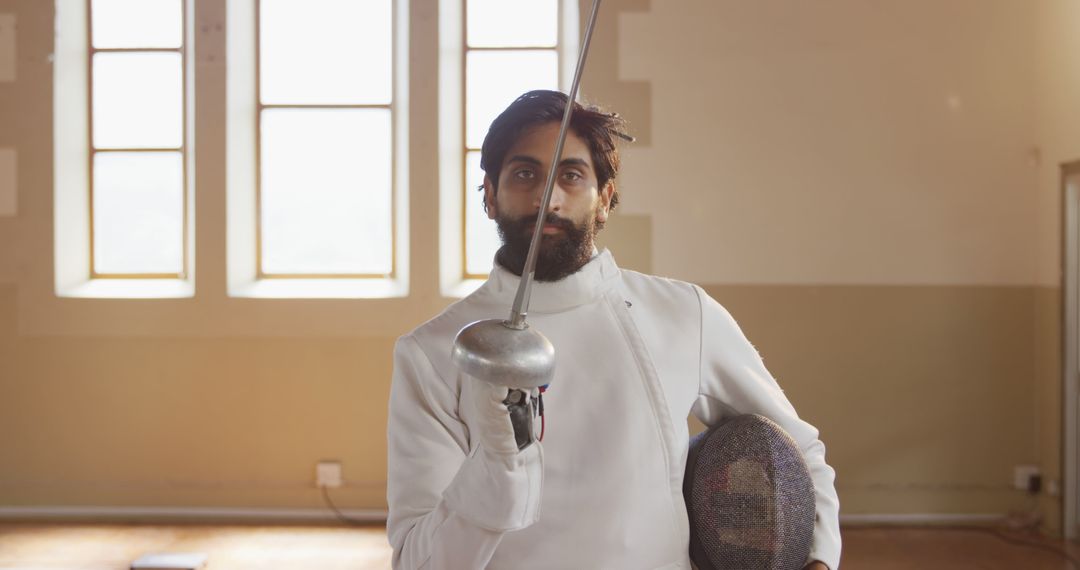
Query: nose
x=558, y=196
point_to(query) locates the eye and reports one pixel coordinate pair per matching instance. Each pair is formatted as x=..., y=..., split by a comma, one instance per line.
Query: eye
x=524, y=174
x=572, y=175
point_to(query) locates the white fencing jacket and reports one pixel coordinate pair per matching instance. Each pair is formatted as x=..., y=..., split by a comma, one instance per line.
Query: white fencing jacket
x=635, y=355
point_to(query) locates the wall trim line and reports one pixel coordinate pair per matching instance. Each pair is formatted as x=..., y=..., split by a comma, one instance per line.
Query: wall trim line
x=920, y=518
x=108, y=513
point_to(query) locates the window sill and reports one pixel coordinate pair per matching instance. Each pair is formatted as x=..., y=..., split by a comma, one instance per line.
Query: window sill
x=130, y=289
x=320, y=289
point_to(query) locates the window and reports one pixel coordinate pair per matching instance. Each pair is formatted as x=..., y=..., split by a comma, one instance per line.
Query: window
x=325, y=102
x=121, y=141
x=138, y=187
x=510, y=47
x=309, y=196
x=315, y=149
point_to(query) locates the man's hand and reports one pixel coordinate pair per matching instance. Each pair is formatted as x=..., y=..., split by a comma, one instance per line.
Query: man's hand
x=492, y=416
x=816, y=565
x=499, y=487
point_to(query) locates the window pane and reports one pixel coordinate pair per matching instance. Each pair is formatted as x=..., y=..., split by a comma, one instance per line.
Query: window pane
x=138, y=100
x=481, y=236
x=494, y=79
x=325, y=51
x=326, y=191
x=138, y=212
x=137, y=23
x=513, y=23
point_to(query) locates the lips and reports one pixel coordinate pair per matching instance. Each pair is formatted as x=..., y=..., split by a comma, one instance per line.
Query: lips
x=551, y=226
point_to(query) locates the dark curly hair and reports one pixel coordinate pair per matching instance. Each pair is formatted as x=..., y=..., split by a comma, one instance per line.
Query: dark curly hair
x=597, y=128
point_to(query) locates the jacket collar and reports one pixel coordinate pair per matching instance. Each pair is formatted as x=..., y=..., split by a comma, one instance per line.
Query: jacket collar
x=586, y=285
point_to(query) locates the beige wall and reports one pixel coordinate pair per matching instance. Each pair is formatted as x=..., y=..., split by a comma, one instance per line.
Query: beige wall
x=836, y=142
x=859, y=184
x=226, y=421
x=1058, y=72
x=1058, y=127
x=922, y=394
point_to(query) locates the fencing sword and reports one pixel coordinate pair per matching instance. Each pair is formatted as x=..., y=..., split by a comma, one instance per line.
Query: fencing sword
x=508, y=352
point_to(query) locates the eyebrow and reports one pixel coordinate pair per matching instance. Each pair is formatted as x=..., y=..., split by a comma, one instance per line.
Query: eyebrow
x=565, y=162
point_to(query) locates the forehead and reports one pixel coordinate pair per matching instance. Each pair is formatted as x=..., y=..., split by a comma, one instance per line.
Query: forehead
x=539, y=142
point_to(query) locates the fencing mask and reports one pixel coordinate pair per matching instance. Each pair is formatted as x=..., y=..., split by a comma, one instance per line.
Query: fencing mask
x=749, y=497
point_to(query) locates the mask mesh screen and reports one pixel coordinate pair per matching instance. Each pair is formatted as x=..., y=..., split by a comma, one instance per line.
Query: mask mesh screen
x=749, y=497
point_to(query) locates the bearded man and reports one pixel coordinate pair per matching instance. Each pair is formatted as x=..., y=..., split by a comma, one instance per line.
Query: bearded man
x=636, y=354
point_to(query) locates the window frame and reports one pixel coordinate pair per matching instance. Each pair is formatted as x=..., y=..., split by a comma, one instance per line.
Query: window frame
x=60, y=299
x=566, y=46
x=183, y=149
x=243, y=254
x=391, y=107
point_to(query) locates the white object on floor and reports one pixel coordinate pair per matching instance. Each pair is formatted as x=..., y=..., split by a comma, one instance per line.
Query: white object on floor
x=170, y=561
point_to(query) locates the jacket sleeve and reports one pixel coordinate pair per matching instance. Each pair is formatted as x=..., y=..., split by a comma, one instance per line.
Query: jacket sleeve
x=734, y=381
x=448, y=507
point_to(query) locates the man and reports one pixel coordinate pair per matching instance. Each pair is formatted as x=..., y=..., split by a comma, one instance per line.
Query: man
x=635, y=355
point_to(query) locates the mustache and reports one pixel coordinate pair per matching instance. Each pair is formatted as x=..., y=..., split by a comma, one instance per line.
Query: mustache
x=551, y=219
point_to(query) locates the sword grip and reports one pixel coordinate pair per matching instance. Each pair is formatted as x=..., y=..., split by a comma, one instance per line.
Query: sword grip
x=522, y=408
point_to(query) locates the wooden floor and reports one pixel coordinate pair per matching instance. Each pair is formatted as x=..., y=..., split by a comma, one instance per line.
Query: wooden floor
x=939, y=549
x=112, y=547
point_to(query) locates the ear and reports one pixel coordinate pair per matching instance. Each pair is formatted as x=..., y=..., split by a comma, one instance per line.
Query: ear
x=605, y=201
x=489, y=197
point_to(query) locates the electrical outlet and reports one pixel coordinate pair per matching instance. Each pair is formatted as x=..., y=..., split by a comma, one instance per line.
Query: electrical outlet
x=328, y=474
x=1023, y=477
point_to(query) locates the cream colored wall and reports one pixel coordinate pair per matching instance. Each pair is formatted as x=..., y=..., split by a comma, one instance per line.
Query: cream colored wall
x=225, y=421
x=207, y=401
x=836, y=142
x=922, y=394
x=1058, y=83
x=855, y=182
x=1058, y=126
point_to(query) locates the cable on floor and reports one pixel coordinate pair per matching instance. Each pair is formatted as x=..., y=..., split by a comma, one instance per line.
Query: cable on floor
x=340, y=515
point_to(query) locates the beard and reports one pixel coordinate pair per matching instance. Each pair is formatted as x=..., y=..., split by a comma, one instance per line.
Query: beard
x=560, y=255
